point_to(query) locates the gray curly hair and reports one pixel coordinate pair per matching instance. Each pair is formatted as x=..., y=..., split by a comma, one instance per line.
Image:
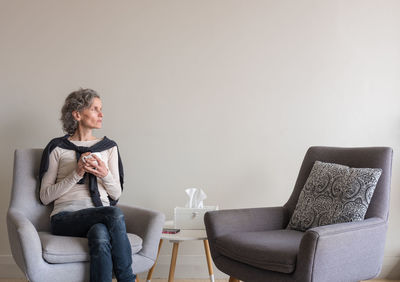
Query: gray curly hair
x=76, y=101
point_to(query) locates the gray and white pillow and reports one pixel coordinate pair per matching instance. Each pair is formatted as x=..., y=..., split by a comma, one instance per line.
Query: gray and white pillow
x=334, y=193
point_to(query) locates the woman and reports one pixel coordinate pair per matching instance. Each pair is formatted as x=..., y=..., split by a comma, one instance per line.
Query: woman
x=83, y=176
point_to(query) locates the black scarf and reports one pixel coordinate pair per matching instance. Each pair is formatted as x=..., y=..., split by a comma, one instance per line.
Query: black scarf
x=64, y=143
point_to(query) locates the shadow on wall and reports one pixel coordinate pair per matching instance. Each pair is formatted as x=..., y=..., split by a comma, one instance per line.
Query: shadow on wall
x=23, y=128
x=17, y=130
x=394, y=272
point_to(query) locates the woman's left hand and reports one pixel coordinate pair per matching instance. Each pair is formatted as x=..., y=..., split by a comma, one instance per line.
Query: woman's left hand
x=96, y=166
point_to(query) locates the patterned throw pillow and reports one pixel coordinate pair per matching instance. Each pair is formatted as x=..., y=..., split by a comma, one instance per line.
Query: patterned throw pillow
x=334, y=193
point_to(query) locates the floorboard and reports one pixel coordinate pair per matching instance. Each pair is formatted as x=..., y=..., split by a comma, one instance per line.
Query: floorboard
x=177, y=280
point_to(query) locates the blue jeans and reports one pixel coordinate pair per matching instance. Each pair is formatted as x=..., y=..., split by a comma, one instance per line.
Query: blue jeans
x=108, y=242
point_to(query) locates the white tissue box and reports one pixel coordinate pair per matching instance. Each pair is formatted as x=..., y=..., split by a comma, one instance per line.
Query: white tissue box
x=191, y=218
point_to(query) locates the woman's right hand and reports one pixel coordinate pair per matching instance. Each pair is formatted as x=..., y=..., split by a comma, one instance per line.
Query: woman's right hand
x=81, y=164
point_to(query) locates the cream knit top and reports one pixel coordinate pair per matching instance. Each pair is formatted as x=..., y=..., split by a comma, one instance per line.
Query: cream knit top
x=59, y=183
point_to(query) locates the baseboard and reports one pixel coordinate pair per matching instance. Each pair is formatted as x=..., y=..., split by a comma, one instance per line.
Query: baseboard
x=191, y=266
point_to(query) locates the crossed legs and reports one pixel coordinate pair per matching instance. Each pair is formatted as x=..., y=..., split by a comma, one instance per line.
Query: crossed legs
x=108, y=242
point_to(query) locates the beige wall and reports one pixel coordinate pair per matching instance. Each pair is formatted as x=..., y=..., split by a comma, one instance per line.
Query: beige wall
x=221, y=95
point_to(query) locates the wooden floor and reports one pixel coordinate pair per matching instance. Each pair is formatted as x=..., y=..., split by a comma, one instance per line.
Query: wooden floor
x=141, y=280
x=177, y=280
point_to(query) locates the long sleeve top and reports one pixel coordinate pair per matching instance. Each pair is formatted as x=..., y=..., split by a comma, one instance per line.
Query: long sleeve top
x=60, y=182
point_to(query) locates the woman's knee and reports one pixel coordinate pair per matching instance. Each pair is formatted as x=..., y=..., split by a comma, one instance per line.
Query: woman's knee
x=99, y=241
x=98, y=232
x=111, y=211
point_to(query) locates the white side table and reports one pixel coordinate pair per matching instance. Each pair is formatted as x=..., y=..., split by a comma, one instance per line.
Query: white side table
x=183, y=235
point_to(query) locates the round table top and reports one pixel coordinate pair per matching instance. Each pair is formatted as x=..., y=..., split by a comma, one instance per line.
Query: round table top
x=184, y=234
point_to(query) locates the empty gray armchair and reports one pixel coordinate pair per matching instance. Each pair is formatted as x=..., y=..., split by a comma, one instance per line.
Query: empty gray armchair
x=44, y=257
x=256, y=245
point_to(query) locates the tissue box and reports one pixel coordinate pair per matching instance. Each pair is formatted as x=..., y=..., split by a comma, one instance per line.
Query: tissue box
x=191, y=218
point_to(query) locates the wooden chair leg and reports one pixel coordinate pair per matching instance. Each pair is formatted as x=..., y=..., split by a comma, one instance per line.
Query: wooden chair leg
x=233, y=279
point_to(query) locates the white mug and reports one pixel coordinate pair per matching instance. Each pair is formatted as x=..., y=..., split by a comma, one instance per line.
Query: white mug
x=90, y=157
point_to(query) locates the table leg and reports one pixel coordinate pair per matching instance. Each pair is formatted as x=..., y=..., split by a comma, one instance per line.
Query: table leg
x=209, y=261
x=150, y=273
x=173, y=262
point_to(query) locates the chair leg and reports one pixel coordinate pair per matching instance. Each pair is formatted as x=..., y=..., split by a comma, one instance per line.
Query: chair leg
x=233, y=279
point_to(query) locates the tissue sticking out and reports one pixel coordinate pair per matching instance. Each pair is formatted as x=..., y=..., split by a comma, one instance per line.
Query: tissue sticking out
x=196, y=197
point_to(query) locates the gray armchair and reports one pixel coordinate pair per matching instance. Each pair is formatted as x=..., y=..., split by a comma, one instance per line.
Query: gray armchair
x=254, y=244
x=43, y=257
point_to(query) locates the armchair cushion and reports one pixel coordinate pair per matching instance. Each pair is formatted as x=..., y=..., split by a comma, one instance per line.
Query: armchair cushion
x=274, y=250
x=64, y=249
x=334, y=193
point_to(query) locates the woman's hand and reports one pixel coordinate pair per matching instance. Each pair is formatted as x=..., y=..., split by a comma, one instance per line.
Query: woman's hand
x=81, y=164
x=96, y=166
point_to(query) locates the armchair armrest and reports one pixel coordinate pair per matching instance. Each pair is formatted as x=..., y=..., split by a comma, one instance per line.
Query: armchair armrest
x=147, y=224
x=340, y=252
x=24, y=240
x=343, y=228
x=223, y=222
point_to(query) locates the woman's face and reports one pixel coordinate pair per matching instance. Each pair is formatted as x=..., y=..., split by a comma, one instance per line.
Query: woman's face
x=92, y=116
